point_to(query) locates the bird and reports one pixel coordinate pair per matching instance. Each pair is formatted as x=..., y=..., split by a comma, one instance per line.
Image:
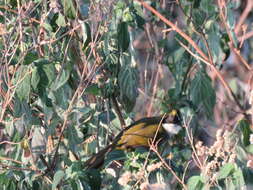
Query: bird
x=138, y=134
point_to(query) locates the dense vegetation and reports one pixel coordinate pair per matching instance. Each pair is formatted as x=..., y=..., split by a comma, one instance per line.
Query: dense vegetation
x=74, y=73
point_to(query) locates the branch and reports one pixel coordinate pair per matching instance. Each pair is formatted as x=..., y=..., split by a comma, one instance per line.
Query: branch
x=153, y=147
x=118, y=112
x=244, y=15
x=224, y=83
x=202, y=56
x=175, y=28
x=245, y=36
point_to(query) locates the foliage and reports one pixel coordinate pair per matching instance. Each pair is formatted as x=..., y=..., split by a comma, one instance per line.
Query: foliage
x=74, y=72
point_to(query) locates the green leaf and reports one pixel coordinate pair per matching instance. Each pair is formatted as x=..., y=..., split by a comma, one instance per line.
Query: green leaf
x=127, y=103
x=195, y=182
x=49, y=73
x=47, y=26
x=199, y=17
x=62, y=79
x=241, y=153
x=230, y=18
x=226, y=170
x=23, y=85
x=86, y=113
x=61, y=20
x=74, y=170
x=244, y=126
x=213, y=38
x=17, y=112
x=196, y=3
x=35, y=79
x=235, y=40
x=94, y=179
x=106, y=117
x=69, y=9
x=52, y=22
x=202, y=93
x=13, y=3
x=59, y=175
x=25, y=115
x=139, y=20
x=84, y=9
x=214, y=44
x=46, y=72
x=114, y=155
x=38, y=143
x=229, y=184
x=118, y=10
x=62, y=96
x=208, y=6
x=123, y=36
x=128, y=82
x=249, y=148
x=93, y=89
x=30, y=57
x=86, y=32
x=20, y=126
x=239, y=178
x=127, y=16
x=225, y=45
x=36, y=185
x=74, y=137
x=178, y=55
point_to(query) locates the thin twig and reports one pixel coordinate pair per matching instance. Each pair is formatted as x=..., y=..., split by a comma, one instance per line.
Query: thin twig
x=190, y=137
x=203, y=57
x=152, y=142
x=186, y=167
x=118, y=112
x=244, y=15
x=175, y=28
x=153, y=147
x=14, y=11
x=149, y=111
x=10, y=159
x=245, y=36
x=224, y=83
x=80, y=89
x=222, y=5
x=17, y=168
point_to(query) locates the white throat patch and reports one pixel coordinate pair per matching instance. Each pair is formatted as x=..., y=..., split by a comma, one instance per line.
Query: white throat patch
x=171, y=128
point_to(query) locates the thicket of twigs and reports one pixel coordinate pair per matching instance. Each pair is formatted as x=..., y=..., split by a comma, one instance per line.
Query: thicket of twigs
x=73, y=73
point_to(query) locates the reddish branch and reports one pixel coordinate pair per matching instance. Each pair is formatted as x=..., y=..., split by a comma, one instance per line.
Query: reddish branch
x=204, y=57
x=175, y=28
x=244, y=15
x=222, y=8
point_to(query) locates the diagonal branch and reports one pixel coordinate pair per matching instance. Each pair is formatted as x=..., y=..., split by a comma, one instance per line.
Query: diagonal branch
x=202, y=56
x=244, y=16
x=175, y=28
